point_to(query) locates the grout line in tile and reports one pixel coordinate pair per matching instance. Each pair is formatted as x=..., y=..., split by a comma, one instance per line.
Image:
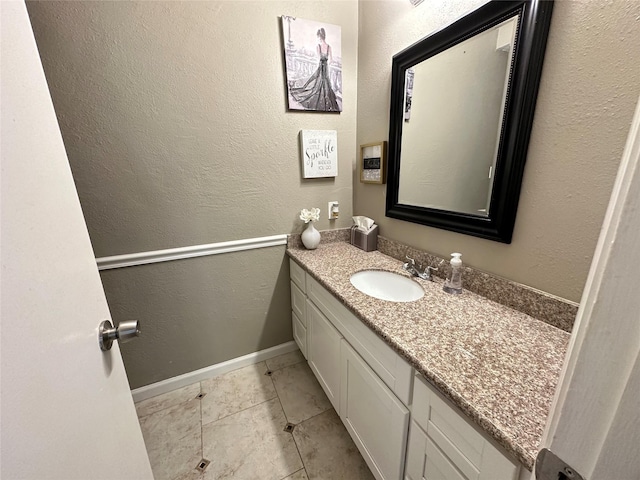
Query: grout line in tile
x=242, y=410
x=286, y=366
x=292, y=436
x=272, y=382
x=201, y=429
x=282, y=406
x=304, y=467
x=325, y=411
x=170, y=406
x=293, y=473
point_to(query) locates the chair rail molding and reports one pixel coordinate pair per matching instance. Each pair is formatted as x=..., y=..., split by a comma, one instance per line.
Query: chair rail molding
x=167, y=255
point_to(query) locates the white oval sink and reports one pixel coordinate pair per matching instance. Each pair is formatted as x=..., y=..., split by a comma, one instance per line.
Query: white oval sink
x=387, y=286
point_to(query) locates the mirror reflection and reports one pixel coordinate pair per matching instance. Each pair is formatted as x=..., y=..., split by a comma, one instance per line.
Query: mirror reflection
x=461, y=111
x=454, y=104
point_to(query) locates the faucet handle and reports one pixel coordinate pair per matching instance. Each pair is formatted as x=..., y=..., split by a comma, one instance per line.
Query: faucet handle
x=434, y=269
x=410, y=266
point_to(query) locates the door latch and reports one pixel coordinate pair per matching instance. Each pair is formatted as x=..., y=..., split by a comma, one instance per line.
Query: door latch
x=550, y=467
x=124, y=332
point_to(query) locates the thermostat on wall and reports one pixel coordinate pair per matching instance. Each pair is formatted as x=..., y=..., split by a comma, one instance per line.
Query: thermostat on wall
x=373, y=162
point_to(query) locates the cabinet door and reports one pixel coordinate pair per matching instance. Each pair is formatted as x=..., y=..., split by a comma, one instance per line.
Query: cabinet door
x=375, y=418
x=323, y=353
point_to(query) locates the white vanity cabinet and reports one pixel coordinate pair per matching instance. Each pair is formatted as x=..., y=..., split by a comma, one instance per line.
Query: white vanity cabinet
x=367, y=382
x=371, y=387
x=443, y=444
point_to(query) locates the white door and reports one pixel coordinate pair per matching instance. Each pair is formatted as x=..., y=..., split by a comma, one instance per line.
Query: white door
x=594, y=425
x=67, y=412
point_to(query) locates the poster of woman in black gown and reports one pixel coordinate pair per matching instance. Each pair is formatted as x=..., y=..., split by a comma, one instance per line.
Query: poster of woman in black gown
x=314, y=65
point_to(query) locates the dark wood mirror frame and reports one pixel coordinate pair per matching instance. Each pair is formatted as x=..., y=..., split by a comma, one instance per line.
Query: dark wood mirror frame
x=533, y=29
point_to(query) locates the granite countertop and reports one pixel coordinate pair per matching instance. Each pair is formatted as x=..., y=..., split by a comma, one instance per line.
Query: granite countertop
x=498, y=365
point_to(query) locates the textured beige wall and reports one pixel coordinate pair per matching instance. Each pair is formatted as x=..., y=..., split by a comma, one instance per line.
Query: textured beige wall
x=589, y=88
x=201, y=311
x=175, y=122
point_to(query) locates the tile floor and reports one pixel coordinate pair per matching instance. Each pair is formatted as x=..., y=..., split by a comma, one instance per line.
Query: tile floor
x=237, y=422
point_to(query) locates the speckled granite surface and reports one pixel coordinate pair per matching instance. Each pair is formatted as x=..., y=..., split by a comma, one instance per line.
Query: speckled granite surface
x=498, y=365
x=553, y=310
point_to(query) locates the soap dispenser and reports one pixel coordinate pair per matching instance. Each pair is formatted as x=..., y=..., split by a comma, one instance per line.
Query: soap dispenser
x=453, y=284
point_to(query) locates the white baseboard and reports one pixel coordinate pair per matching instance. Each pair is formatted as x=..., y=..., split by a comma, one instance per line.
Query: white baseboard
x=185, y=379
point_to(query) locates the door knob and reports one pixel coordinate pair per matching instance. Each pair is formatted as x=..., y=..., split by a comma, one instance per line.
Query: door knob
x=124, y=332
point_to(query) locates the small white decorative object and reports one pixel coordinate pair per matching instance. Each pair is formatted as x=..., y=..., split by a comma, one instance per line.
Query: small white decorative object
x=310, y=237
x=319, y=151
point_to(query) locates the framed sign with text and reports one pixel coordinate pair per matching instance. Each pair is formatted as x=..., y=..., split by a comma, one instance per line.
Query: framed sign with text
x=373, y=162
x=319, y=152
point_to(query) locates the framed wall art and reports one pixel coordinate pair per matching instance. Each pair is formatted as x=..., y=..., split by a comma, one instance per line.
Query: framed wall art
x=373, y=162
x=313, y=58
x=319, y=152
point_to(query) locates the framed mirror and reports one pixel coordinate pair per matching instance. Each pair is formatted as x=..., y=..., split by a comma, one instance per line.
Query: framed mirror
x=462, y=105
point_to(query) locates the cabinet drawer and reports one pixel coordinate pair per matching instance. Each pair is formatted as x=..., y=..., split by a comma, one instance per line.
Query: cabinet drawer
x=438, y=466
x=387, y=364
x=299, y=334
x=457, y=438
x=298, y=303
x=427, y=459
x=431, y=412
x=297, y=274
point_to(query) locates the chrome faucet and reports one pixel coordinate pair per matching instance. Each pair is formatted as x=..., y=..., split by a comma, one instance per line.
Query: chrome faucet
x=418, y=271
